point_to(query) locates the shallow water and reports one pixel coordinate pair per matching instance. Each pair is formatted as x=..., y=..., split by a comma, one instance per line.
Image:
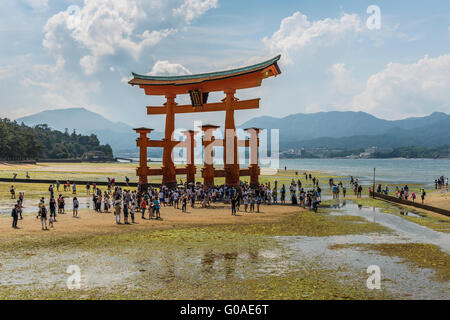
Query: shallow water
x=398, y=278
x=157, y=266
x=30, y=206
x=404, y=228
x=421, y=171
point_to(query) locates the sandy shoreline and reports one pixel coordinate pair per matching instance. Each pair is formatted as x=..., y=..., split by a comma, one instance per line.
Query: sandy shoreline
x=438, y=198
x=91, y=222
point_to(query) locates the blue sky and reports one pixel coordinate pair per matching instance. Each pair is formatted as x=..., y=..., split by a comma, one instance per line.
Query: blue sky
x=53, y=58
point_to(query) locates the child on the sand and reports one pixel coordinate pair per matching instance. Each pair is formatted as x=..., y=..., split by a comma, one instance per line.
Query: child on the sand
x=156, y=207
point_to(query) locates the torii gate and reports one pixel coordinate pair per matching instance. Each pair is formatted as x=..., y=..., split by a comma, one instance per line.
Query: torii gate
x=199, y=86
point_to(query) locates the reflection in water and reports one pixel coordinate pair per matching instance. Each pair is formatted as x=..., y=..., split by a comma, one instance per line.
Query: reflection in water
x=155, y=266
x=169, y=267
x=253, y=255
x=208, y=260
x=230, y=260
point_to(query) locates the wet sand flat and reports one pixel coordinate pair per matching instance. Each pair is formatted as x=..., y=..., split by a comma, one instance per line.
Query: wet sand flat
x=91, y=222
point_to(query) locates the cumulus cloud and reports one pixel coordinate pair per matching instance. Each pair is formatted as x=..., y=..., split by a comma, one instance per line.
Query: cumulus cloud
x=57, y=87
x=297, y=32
x=162, y=67
x=191, y=9
x=103, y=27
x=408, y=89
x=343, y=81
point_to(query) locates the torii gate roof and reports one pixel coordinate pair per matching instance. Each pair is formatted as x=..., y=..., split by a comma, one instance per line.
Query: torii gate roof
x=241, y=78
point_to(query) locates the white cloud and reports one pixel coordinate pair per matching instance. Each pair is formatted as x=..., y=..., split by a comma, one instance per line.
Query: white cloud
x=297, y=32
x=408, y=89
x=7, y=72
x=103, y=27
x=167, y=68
x=37, y=4
x=54, y=87
x=343, y=81
x=191, y=9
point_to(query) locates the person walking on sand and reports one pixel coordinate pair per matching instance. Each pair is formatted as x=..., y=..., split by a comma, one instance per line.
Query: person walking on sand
x=51, y=190
x=74, y=188
x=183, y=202
x=258, y=203
x=52, y=206
x=245, y=202
x=233, y=206
x=143, y=207
x=132, y=210
x=43, y=215
x=76, y=204
x=156, y=208
x=423, y=195
x=107, y=202
x=13, y=192
x=15, y=216
x=252, y=203
x=20, y=204
x=413, y=196
x=62, y=205
x=117, y=208
x=125, y=212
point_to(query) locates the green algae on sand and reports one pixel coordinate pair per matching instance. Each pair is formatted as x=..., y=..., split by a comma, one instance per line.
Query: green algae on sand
x=421, y=255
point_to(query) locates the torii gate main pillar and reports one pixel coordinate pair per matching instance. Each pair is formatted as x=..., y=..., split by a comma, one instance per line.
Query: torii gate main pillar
x=230, y=143
x=168, y=167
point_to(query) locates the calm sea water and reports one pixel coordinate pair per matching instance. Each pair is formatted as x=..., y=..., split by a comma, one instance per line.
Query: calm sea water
x=423, y=171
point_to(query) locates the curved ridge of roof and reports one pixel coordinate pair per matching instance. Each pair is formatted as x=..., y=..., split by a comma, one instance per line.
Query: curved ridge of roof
x=210, y=74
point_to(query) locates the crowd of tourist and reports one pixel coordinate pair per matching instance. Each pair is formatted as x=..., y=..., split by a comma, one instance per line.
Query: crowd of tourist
x=126, y=203
x=441, y=182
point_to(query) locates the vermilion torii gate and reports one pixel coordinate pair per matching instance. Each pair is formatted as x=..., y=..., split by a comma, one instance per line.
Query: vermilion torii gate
x=199, y=86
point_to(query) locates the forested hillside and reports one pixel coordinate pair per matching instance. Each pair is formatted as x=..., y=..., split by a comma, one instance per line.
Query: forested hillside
x=18, y=141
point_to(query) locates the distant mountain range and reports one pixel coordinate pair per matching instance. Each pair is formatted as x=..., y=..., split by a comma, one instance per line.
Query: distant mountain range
x=350, y=129
x=333, y=129
x=120, y=136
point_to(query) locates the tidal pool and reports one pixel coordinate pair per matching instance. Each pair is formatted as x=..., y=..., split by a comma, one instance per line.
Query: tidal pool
x=30, y=206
